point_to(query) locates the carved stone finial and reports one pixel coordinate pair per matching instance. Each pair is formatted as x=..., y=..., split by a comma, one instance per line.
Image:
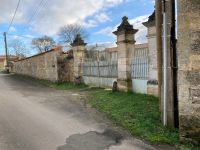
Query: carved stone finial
x=151, y=20
x=78, y=41
x=125, y=26
x=125, y=18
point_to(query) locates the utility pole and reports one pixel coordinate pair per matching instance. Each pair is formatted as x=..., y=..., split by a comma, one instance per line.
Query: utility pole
x=159, y=47
x=6, y=51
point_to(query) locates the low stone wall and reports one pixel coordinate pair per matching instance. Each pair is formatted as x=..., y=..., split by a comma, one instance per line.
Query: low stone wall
x=152, y=90
x=99, y=81
x=152, y=87
x=41, y=66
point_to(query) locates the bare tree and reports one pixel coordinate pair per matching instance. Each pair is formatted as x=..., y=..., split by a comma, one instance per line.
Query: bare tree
x=68, y=33
x=43, y=44
x=18, y=48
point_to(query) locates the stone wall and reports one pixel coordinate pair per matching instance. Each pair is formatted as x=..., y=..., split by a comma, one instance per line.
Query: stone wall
x=1, y=65
x=99, y=81
x=189, y=70
x=65, y=69
x=41, y=66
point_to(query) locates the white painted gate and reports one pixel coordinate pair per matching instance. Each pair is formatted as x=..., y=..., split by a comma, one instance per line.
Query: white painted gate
x=140, y=73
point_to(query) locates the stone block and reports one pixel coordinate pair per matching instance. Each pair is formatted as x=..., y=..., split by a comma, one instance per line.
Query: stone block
x=195, y=94
x=194, y=63
x=124, y=85
x=195, y=41
x=190, y=128
x=152, y=89
x=193, y=77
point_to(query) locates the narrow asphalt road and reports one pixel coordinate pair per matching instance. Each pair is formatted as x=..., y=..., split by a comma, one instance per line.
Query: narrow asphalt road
x=34, y=117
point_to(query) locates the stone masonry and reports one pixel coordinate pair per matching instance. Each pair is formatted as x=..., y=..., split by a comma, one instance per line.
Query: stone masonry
x=189, y=70
x=78, y=47
x=41, y=66
x=152, y=87
x=125, y=44
x=65, y=68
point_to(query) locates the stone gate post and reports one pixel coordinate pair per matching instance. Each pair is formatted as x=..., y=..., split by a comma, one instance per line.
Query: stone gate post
x=78, y=47
x=153, y=70
x=125, y=45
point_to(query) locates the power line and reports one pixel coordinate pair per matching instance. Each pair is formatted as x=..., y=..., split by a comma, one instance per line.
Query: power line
x=42, y=3
x=35, y=14
x=14, y=15
x=20, y=36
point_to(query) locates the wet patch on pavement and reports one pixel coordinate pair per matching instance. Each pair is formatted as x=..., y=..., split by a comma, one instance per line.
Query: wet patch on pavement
x=92, y=141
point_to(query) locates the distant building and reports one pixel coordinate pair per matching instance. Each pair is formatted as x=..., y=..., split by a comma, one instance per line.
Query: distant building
x=11, y=58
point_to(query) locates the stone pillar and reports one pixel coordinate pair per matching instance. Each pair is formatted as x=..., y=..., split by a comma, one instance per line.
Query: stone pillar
x=78, y=47
x=152, y=87
x=189, y=70
x=125, y=44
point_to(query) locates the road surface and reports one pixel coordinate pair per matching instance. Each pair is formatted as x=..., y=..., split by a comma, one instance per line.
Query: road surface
x=34, y=117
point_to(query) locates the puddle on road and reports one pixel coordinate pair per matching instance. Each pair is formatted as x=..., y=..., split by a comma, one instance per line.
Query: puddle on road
x=92, y=141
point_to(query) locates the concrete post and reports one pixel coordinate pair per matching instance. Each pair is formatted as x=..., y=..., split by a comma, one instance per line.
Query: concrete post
x=125, y=44
x=78, y=47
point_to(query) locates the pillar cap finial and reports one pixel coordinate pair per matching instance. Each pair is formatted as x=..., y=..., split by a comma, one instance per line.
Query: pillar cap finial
x=78, y=41
x=151, y=20
x=125, y=26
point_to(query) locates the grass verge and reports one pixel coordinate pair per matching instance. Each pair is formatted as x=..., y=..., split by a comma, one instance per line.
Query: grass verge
x=64, y=85
x=139, y=113
x=56, y=85
x=3, y=72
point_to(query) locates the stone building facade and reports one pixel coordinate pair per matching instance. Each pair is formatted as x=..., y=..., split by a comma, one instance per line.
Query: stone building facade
x=189, y=70
x=11, y=58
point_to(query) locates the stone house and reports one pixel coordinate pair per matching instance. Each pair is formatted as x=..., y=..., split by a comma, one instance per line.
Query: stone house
x=11, y=58
x=179, y=66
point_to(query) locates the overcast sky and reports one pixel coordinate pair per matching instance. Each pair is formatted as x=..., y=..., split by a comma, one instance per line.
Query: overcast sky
x=100, y=17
